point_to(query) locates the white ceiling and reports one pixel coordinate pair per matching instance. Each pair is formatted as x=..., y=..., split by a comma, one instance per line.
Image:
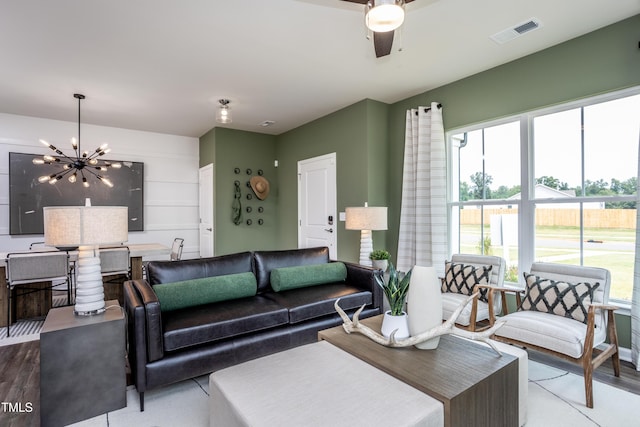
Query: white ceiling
x=161, y=65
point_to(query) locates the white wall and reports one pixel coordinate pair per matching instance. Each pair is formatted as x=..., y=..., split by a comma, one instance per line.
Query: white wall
x=170, y=174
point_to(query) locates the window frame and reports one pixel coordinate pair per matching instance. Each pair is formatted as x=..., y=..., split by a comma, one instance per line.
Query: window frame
x=527, y=203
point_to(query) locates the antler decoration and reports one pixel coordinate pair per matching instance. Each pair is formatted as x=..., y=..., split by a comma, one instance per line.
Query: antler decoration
x=445, y=328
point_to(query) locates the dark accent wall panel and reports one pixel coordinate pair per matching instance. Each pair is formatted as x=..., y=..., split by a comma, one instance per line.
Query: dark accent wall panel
x=27, y=196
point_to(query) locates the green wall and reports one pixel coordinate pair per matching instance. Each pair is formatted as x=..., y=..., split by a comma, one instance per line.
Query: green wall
x=368, y=137
x=228, y=149
x=358, y=136
x=602, y=61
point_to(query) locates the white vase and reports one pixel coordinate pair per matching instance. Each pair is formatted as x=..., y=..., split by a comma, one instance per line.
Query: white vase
x=391, y=323
x=424, y=304
x=382, y=264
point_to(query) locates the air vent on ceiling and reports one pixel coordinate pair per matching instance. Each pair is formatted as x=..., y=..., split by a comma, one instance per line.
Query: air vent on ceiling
x=509, y=34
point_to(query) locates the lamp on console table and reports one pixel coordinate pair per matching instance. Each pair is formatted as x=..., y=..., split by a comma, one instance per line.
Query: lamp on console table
x=366, y=219
x=86, y=227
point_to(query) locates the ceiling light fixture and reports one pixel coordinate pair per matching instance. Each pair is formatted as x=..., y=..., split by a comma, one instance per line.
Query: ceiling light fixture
x=224, y=112
x=74, y=168
x=382, y=16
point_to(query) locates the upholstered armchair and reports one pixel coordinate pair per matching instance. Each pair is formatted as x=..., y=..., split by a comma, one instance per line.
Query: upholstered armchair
x=565, y=313
x=466, y=274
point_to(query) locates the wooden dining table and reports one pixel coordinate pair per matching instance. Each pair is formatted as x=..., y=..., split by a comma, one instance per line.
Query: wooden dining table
x=40, y=303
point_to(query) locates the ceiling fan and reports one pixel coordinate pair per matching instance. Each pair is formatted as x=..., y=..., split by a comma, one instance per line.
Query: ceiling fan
x=382, y=17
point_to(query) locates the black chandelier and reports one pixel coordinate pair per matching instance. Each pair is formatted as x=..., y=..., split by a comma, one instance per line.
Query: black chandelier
x=75, y=168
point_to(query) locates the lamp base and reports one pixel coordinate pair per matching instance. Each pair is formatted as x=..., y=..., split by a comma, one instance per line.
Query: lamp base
x=89, y=288
x=366, y=247
x=89, y=313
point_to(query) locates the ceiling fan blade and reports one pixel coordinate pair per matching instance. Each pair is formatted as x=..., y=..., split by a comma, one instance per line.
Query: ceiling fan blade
x=382, y=42
x=365, y=1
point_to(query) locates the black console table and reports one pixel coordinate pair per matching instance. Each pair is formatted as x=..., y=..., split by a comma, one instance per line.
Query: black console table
x=82, y=365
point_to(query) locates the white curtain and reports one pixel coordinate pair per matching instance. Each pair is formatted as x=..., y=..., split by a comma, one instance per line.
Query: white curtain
x=423, y=214
x=635, y=300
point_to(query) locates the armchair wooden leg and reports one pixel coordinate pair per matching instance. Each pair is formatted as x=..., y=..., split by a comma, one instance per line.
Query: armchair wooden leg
x=588, y=384
x=616, y=364
x=613, y=340
x=588, y=367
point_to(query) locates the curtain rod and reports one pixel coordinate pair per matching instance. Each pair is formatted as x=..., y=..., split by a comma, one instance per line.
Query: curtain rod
x=427, y=109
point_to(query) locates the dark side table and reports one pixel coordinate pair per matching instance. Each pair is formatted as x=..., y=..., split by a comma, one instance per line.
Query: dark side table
x=82, y=365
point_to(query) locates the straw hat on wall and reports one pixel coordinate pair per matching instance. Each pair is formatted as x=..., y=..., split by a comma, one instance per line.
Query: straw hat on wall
x=260, y=187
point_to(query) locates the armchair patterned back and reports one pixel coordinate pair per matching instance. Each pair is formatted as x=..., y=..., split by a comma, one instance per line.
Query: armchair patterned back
x=497, y=271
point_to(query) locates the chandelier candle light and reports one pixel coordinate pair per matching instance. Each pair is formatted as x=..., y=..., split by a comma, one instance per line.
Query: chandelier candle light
x=86, y=227
x=366, y=219
x=78, y=165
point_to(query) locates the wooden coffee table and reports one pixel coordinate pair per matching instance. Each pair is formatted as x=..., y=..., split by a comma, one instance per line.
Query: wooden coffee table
x=476, y=386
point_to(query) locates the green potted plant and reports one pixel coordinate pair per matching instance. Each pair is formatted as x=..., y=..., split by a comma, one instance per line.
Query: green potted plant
x=380, y=259
x=395, y=289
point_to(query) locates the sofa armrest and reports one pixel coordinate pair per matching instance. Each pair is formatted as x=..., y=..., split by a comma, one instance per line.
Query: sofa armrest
x=153, y=319
x=364, y=277
x=136, y=335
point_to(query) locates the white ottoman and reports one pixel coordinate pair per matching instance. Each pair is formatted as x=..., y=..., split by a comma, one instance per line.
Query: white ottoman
x=316, y=385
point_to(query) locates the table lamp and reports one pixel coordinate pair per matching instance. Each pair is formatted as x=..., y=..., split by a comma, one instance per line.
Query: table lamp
x=366, y=219
x=86, y=227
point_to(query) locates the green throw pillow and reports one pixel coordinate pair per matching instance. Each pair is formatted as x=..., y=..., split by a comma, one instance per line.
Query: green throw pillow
x=188, y=293
x=283, y=279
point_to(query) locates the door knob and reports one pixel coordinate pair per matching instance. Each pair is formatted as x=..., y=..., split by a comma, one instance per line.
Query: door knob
x=329, y=230
x=209, y=229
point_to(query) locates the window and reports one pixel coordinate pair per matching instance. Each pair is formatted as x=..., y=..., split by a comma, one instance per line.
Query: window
x=556, y=185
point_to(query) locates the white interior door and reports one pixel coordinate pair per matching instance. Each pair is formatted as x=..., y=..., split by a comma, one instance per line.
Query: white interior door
x=317, y=216
x=206, y=210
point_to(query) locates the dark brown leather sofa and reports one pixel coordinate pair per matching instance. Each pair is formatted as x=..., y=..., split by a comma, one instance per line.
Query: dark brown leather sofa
x=167, y=347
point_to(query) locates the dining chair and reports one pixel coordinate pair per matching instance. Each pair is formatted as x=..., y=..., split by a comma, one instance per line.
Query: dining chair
x=36, y=246
x=174, y=255
x=115, y=261
x=115, y=266
x=176, y=249
x=24, y=268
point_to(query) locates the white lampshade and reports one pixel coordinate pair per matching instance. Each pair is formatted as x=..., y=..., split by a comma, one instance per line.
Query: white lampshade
x=386, y=15
x=85, y=225
x=366, y=218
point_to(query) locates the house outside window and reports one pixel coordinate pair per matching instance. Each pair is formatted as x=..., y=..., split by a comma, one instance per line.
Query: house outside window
x=556, y=185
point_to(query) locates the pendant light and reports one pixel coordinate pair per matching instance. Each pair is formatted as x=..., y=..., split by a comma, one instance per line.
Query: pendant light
x=74, y=168
x=223, y=114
